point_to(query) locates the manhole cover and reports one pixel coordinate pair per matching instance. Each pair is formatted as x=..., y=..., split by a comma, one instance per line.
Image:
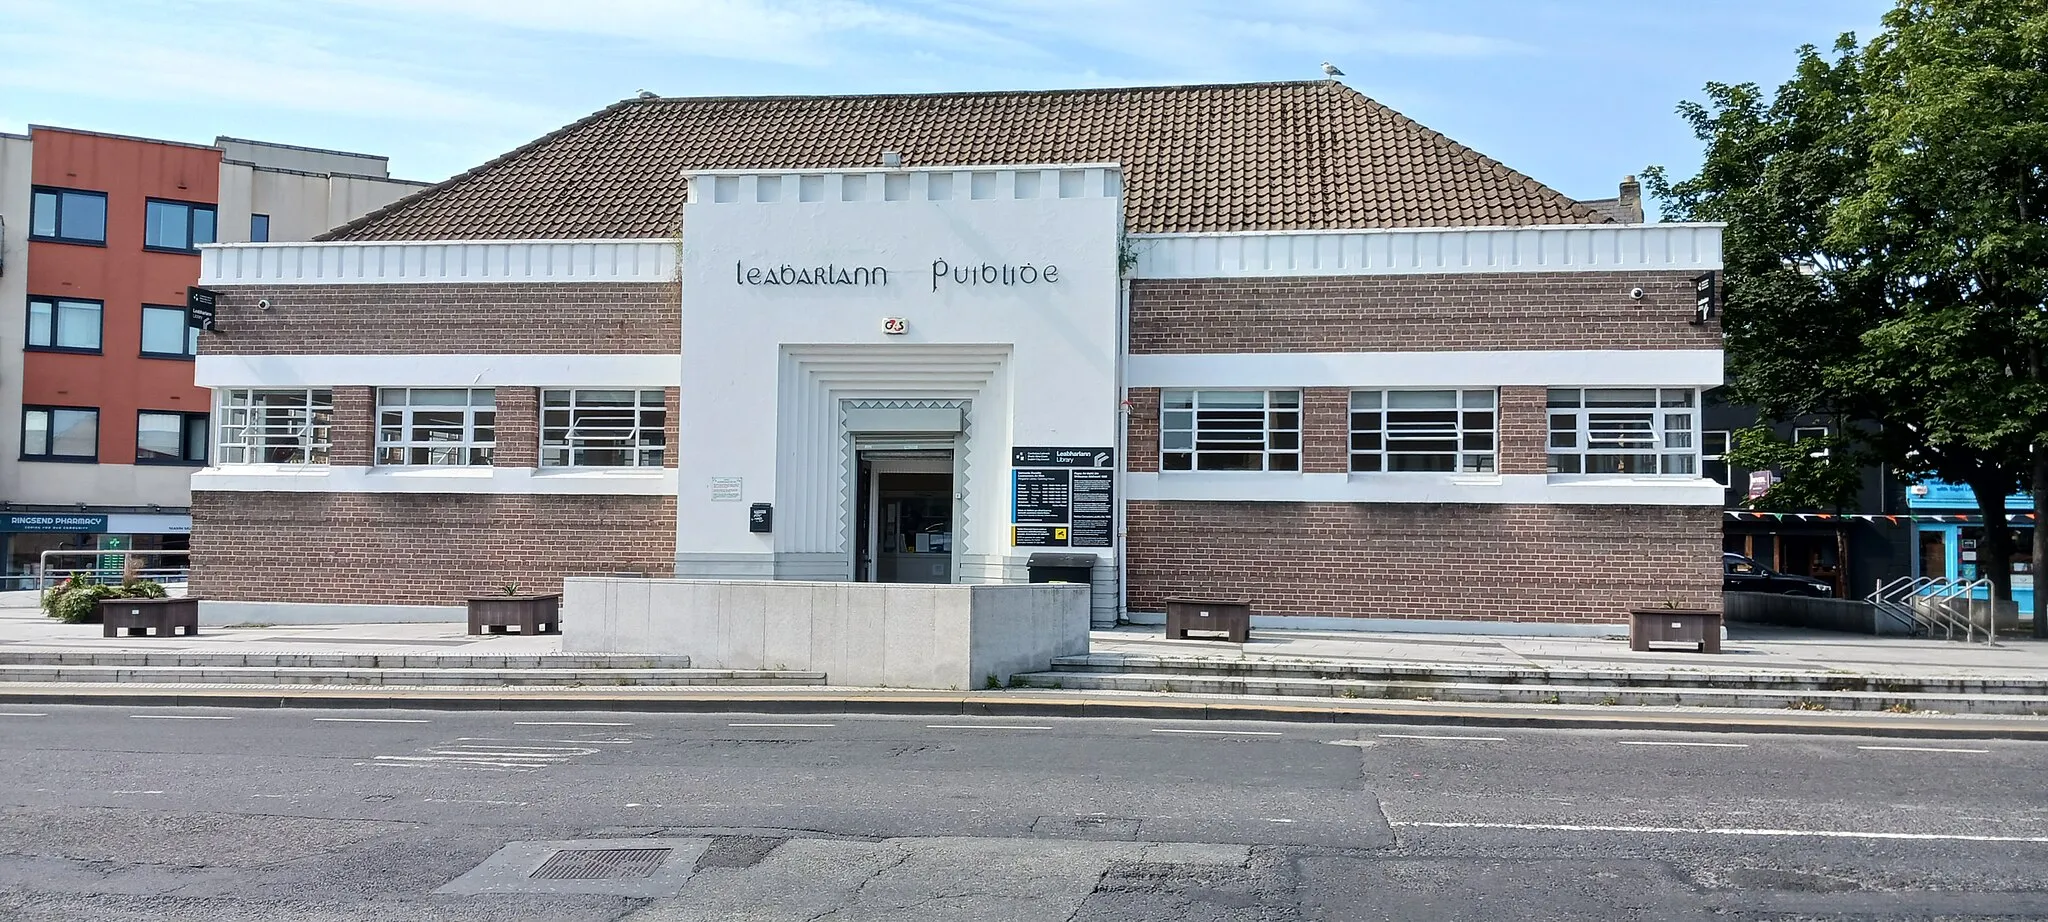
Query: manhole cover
x=602, y=864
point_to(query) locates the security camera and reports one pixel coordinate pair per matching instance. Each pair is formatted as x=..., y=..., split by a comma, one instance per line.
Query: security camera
x=263, y=304
x=1635, y=293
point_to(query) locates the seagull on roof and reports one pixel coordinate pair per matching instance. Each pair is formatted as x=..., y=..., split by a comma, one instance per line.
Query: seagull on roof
x=1330, y=70
x=646, y=94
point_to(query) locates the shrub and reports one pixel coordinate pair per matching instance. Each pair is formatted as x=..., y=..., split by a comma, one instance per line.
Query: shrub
x=77, y=601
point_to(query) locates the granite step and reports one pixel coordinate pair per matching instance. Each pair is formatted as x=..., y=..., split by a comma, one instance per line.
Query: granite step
x=344, y=660
x=411, y=677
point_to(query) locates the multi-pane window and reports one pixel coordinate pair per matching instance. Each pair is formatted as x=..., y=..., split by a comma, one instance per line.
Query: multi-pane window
x=176, y=225
x=166, y=334
x=1230, y=430
x=170, y=438
x=1714, y=455
x=275, y=426
x=259, y=228
x=602, y=428
x=1812, y=434
x=68, y=216
x=1430, y=431
x=1639, y=430
x=65, y=324
x=436, y=425
x=60, y=433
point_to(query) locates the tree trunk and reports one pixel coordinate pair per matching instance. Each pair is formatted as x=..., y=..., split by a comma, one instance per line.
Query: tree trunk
x=2040, y=541
x=1994, y=553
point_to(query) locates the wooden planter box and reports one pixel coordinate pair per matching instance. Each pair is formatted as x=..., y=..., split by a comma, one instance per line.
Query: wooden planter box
x=532, y=614
x=1698, y=627
x=139, y=616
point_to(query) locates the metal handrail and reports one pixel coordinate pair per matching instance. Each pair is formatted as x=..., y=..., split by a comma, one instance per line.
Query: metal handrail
x=50, y=574
x=1931, y=603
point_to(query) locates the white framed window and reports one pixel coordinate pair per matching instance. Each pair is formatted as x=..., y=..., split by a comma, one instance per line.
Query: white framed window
x=1714, y=455
x=602, y=428
x=1624, y=430
x=1428, y=431
x=1812, y=433
x=1229, y=430
x=274, y=426
x=436, y=425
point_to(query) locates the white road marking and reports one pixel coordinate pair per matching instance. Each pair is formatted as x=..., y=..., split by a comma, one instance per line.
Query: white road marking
x=180, y=717
x=1678, y=743
x=1221, y=732
x=981, y=727
x=781, y=725
x=1272, y=819
x=135, y=792
x=1469, y=739
x=374, y=720
x=567, y=723
x=1763, y=833
x=22, y=715
x=1919, y=749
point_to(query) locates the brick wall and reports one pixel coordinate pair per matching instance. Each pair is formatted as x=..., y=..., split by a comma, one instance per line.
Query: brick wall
x=1141, y=437
x=418, y=549
x=518, y=432
x=1417, y=313
x=588, y=318
x=1523, y=423
x=352, y=431
x=1326, y=430
x=1430, y=561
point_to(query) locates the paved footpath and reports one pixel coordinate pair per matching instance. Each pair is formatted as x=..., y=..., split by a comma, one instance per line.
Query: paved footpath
x=1750, y=651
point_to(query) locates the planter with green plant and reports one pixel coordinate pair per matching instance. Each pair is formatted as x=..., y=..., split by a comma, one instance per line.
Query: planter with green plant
x=77, y=599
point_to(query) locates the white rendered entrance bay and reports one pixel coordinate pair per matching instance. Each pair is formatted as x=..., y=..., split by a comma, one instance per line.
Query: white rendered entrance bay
x=961, y=310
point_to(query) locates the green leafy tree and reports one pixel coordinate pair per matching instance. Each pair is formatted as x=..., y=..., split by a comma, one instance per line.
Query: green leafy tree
x=1886, y=252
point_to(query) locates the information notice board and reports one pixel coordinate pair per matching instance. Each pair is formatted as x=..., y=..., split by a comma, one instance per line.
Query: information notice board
x=1062, y=497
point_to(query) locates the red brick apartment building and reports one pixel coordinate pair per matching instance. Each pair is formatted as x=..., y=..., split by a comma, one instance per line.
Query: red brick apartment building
x=1271, y=341
x=99, y=238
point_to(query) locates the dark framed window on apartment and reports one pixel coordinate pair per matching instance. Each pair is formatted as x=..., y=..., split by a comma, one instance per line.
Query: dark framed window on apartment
x=1229, y=430
x=259, y=228
x=180, y=226
x=1422, y=431
x=167, y=437
x=602, y=428
x=68, y=216
x=64, y=324
x=60, y=434
x=166, y=334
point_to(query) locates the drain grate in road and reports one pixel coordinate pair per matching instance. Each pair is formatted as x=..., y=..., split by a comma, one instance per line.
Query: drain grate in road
x=602, y=864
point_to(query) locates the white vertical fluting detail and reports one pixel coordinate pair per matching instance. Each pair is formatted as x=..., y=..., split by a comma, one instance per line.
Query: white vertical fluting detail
x=1397, y=251
x=439, y=261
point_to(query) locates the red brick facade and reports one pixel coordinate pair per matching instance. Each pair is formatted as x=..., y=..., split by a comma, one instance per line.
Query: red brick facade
x=518, y=433
x=1428, y=561
x=543, y=318
x=1523, y=424
x=418, y=549
x=1418, y=313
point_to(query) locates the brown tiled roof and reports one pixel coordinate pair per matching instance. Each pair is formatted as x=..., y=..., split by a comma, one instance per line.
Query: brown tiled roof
x=1231, y=157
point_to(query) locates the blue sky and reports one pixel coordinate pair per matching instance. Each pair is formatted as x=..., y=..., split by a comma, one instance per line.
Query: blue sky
x=1573, y=92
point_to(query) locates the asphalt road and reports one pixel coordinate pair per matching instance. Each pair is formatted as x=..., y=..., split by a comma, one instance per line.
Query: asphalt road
x=114, y=813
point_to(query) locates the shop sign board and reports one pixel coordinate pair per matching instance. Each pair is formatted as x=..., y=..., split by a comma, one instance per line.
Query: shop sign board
x=62, y=523
x=1062, y=497
x=1760, y=483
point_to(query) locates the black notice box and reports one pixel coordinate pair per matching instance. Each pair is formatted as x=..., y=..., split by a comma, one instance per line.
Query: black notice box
x=1042, y=496
x=200, y=305
x=761, y=518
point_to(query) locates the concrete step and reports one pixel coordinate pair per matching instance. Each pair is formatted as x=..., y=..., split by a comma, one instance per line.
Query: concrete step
x=1173, y=667
x=345, y=660
x=1539, y=693
x=436, y=677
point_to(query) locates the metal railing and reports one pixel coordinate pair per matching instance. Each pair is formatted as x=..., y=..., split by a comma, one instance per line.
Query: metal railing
x=1930, y=604
x=112, y=567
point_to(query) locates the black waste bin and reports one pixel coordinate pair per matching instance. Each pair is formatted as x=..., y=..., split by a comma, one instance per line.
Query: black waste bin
x=1062, y=568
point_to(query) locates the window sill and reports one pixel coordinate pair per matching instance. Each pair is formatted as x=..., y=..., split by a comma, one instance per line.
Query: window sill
x=571, y=472
x=102, y=244
x=160, y=462
x=60, y=459
x=176, y=251
x=63, y=350
x=169, y=356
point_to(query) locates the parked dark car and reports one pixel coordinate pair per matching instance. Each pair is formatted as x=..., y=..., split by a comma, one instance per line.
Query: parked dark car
x=1741, y=574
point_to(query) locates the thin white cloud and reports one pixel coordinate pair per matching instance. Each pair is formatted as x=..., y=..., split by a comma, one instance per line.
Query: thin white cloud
x=169, y=54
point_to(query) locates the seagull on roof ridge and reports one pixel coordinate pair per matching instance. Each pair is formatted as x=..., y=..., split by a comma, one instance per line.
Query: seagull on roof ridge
x=646, y=94
x=1330, y=70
